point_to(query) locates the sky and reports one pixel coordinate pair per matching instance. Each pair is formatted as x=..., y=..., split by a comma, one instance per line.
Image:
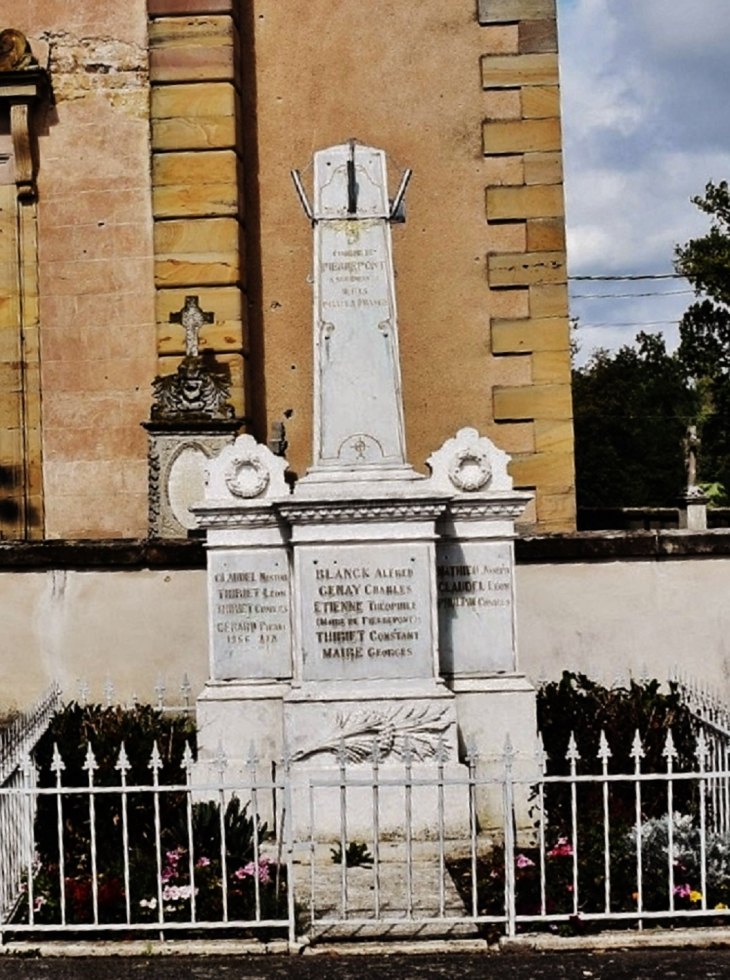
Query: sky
x=646, y=119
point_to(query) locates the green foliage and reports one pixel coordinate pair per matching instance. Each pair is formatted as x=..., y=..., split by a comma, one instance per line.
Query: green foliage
x=165, y=874
x=704, y=331
x=577, y=850
x=357, y=855
x=631, y=410
x=575, y=704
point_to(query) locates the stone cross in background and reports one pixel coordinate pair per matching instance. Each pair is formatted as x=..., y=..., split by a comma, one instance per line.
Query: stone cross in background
x=192, y=318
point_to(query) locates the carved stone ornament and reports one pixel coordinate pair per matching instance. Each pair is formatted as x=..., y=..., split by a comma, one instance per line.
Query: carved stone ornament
x=402, y=730
x=15, y=53
x=470, y=469
x=469, y=463
x=22, y=83
x=246, y=476
x=242, y=472
x=194, y=392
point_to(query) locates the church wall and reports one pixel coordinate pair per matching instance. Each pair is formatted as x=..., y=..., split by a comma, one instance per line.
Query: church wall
x=468, y=97
x=164, y=172
x=95, y=252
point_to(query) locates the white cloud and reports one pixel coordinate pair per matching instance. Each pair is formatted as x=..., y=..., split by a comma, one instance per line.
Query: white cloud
x=647, y=123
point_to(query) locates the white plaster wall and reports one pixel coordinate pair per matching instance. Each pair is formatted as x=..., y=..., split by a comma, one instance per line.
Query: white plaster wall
x=132, y=626
x=601, y=618
x=610, y=618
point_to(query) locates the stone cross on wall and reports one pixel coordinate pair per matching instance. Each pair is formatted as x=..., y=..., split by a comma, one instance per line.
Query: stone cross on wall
x=192, y=318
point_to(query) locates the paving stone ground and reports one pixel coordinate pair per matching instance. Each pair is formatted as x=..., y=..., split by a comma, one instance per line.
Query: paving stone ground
x=638, y=964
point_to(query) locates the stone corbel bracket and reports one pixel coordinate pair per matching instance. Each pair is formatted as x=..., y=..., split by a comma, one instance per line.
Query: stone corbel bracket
x=22, y=84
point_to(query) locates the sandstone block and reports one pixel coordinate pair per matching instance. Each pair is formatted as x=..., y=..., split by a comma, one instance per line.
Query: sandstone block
x=171, y=8
x=556, y=511
x=545, y=470
x=510, y=70
x=195, y=133
x=516, y=437
x=545, y=235
x=543, y=168
x=526, y=336
x=205, y=167
x=189, y=101
x=201, y=235
x=208, y=268
x=549, y=300
x=186, y=201
x=551, y=367
x=526, y=268
x=226, y=333
x=540, y=101
x=193, y=49
x=505, y=11
x=532, y=402
x=538, y=36
x=513, y=203
x=553, y=437
x=523, y=136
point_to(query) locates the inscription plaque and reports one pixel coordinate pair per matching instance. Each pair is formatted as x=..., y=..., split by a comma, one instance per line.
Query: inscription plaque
x=476, y=607
x=366, y=612
x=249, y=614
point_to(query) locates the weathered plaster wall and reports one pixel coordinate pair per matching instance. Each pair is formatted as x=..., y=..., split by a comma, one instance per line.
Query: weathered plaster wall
x=95, y=263
x=132, y=627
x=616, y=618
x=602, y=618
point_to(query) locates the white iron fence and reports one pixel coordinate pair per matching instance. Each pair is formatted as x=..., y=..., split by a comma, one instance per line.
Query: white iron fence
x=142, y=844
x=711, y=717
x=16, y=819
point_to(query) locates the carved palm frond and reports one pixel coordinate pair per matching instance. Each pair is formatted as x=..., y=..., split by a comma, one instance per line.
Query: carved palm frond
x=400, y=730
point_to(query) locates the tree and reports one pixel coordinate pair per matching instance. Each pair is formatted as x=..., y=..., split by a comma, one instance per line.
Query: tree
x=704, y=331
x=631, y=411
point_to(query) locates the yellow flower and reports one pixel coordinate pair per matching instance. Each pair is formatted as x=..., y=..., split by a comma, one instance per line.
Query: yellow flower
x=695, y=896
x=721, y=905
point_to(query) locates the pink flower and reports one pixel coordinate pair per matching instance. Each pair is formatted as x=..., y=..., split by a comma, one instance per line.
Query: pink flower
x=264, y=875
x=202, y=862
x=523, y=861
x=39, y=903
x=682, y=891
x=562, y=849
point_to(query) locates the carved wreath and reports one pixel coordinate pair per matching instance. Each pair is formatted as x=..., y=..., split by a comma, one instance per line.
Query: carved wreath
x=246, y=476
x=470, y=469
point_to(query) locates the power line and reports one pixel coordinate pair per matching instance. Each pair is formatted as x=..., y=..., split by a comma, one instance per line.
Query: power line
x=638, y=323
x=637, y=278
x=669, y=292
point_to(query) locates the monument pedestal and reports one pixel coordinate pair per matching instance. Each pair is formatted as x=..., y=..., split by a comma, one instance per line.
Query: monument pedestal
x=355, y=726
x=365, y=621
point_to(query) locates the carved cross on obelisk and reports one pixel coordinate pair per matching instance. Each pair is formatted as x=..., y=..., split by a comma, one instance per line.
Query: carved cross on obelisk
x=192, y=319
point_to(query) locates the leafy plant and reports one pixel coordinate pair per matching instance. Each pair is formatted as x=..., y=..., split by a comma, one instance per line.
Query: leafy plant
x=165, y=866
x=357, y=855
